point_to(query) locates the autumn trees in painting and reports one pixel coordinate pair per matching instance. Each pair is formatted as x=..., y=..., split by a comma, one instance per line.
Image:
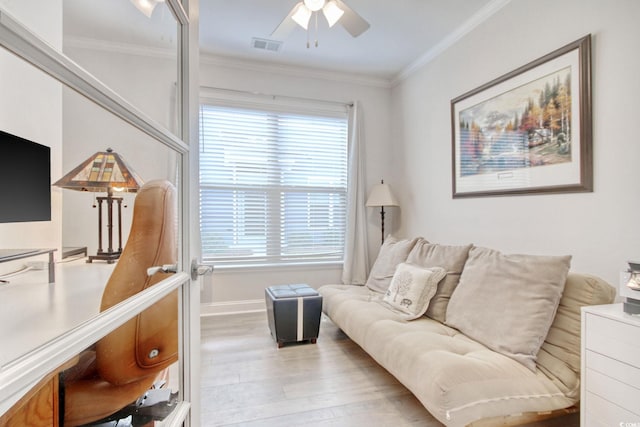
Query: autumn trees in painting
x=527, y=126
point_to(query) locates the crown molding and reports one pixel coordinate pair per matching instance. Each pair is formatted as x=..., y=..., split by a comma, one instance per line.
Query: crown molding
x=294, y=71
x=478, y=18
x=228, y=62
x=119, y=47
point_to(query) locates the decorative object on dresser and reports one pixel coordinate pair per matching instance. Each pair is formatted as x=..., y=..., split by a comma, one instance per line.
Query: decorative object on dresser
x=631, y=289
x=381, y=196
x=105, y=171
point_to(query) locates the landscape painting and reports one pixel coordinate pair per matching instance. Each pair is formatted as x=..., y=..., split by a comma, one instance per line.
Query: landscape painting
x=528, y=126
x=528, y=131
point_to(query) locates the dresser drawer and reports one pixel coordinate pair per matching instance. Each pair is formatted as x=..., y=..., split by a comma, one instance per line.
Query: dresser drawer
x=616, y=392
x=618, y=340
x=602, y=413
x=619, y=371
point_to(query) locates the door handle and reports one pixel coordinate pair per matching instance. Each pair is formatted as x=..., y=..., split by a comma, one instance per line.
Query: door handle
x=198, y=269
x=166, y=268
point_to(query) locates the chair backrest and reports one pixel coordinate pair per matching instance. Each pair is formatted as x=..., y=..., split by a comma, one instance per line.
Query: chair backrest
x=147, y=343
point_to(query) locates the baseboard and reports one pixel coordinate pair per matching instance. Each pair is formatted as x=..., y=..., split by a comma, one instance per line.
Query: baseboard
x=232, y=307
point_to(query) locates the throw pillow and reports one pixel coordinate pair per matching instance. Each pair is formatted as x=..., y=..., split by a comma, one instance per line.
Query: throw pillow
x=392, y=253
x=411, y=289
x=452, y=259
x=508, y=302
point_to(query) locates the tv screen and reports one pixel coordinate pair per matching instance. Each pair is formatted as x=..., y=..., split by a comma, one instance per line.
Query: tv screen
x=25, y=180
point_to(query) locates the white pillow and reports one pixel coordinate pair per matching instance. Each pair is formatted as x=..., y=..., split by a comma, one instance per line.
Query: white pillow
x=508, y=302
x=411, y=289
x=392, y=252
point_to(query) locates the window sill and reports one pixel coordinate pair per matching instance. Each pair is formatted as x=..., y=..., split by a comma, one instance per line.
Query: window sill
x=276, y=267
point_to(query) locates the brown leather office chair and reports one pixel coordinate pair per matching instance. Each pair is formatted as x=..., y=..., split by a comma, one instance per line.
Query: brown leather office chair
x=123, y=365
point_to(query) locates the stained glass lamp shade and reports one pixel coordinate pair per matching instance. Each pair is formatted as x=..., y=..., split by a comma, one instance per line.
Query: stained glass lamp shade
x=104, y=172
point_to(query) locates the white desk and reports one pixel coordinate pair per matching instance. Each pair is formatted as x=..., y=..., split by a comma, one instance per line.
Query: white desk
x=35, y=312
x=44, y=326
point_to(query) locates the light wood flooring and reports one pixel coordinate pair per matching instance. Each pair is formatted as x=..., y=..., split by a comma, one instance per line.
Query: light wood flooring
x=247, y=381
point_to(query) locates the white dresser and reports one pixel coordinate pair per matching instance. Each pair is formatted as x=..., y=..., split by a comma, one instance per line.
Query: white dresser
x=610, y=389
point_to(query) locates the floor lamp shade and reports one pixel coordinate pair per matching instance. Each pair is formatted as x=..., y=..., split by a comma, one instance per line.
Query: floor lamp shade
x=104, y=172
x=381, y=196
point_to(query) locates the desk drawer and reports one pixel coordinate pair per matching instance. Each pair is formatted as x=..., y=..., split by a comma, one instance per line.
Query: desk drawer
x=617, y=340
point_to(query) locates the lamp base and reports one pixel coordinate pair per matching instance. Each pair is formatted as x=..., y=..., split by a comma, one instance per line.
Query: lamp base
x=110, y=257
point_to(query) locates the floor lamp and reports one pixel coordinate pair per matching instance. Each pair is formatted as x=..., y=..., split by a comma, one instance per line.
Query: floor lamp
x=104, y=172
x=381, y=196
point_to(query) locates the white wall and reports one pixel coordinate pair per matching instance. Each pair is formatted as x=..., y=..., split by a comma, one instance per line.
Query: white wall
x=598, y=229
x=148, y=82
x=229, y=290
x=31, y=107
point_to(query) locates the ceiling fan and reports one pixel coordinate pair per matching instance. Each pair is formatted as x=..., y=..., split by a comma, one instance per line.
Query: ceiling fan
x=333, y=10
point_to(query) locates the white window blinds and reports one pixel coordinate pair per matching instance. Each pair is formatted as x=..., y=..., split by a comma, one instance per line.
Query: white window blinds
x=273, y=186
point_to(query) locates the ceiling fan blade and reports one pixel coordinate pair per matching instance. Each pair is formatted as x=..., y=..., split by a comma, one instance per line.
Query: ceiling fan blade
x=287, y=25
x=351, y=21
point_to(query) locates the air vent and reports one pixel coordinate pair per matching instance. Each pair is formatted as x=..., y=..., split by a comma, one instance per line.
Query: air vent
x=265, y=44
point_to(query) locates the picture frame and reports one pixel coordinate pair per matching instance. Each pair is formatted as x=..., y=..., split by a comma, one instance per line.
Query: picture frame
x=528, y=131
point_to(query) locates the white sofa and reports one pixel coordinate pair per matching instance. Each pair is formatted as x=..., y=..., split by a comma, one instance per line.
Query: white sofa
x=501, y=333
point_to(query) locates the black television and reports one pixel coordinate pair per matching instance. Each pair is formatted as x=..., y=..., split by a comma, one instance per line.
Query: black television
x=25, y=180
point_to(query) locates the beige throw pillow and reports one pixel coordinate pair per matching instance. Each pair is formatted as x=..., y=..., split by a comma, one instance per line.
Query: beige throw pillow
x=508, y=302
x=392, y=253
x=452, y=259
x=411, y=289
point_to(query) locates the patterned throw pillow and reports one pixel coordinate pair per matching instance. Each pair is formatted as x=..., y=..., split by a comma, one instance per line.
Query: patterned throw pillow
x=411, y=289
x=392, y=252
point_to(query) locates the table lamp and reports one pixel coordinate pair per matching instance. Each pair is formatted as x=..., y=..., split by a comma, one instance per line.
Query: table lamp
x=382, y=196
x=104, y=172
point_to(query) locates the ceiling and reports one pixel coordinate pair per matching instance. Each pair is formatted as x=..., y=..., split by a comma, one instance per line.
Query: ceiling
x=402, y=32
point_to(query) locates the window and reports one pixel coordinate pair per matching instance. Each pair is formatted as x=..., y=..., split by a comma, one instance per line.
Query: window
x=273, y=186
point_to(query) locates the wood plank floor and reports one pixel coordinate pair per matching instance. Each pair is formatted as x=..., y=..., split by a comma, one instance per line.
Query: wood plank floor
x=248, y=381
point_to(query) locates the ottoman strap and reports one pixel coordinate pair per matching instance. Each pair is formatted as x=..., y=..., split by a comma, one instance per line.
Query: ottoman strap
x=300, y=318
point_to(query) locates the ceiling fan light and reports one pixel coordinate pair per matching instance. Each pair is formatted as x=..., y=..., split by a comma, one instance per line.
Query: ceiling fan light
x=146, y=6
x=302, y=15
x=314, y=5
x=332, y=12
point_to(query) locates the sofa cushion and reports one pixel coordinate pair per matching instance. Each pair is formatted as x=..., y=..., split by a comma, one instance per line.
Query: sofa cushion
x=559, y=356
x=411, y=289
x=452, y=259
x=392, y=252
x=456, y=378
x=508, y=302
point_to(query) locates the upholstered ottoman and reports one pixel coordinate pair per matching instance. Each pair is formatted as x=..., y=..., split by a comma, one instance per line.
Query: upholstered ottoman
x=293, y=312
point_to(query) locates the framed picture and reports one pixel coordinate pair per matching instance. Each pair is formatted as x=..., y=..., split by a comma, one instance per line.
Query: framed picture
x=528, y=131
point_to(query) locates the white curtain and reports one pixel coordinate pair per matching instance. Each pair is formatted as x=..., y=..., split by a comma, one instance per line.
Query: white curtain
x=356, y=257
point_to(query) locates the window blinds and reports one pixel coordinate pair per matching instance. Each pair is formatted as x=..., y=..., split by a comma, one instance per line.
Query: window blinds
x=273, y=186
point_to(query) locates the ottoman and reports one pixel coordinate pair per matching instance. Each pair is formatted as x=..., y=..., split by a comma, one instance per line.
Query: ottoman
x=293, y=312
